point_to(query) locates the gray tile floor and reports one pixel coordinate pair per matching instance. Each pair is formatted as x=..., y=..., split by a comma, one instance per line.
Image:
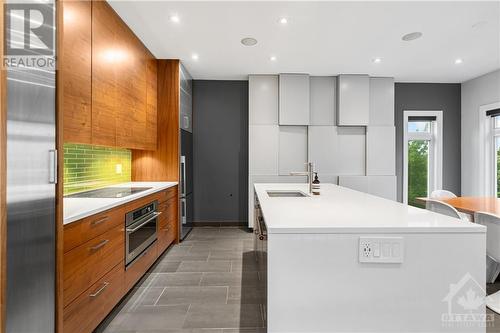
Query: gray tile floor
x=209, y=283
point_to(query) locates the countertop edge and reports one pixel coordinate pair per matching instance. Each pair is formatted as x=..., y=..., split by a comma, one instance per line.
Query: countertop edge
x=376, y=230
x=122, y=201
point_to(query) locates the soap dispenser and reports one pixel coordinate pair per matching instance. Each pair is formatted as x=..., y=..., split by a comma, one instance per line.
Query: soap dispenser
x=315, y=184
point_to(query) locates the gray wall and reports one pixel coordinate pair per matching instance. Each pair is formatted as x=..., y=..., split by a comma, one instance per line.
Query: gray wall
x=220, y=140
x=432, y=96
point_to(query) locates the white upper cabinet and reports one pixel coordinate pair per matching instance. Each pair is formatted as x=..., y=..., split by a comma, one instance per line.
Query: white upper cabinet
x=263, y=149
x=381, y=101
x=323, y=101
x=294, y=99
x=263, y=99
x=353, y=100
x=292, y=149
x=380, y=151
x=337, y=150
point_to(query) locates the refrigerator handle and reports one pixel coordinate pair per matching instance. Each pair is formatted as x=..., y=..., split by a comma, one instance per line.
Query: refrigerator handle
x=183, y=175
x=53, y=166
x=183, y=211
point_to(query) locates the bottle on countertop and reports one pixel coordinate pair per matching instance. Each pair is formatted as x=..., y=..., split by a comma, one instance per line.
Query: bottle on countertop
x=315, y=184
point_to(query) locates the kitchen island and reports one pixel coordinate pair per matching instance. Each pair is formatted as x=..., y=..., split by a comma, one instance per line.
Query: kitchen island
x=346, y=261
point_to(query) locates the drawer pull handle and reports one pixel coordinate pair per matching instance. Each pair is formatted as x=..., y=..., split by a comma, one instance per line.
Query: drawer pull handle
x=99, y=221
x=98, y=246
x=100, y=290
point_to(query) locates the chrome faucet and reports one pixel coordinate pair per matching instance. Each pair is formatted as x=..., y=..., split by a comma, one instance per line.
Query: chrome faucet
x=309, y=174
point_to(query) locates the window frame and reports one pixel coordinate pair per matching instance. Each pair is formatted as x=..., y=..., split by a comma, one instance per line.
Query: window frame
x=486, y=157
x=495, y=133
x=435, y=138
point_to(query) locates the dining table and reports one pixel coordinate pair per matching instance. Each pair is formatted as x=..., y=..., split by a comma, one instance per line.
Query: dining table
x=471, y=205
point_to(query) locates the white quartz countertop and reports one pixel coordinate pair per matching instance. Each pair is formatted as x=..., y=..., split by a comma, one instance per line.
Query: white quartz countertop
x=78, y=208
x=341, y=210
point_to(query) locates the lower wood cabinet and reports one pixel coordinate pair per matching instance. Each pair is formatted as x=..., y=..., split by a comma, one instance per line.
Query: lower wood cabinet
x=87, y=263
x=141, y=264
x=93, y=305
x=94, y=273
x=166, y=224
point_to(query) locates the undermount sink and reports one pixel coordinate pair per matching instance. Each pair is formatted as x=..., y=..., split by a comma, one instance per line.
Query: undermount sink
x=286, y=194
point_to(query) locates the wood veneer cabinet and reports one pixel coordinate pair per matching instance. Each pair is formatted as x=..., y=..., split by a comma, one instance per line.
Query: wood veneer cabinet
x=76, y=68
x=95, y=277
x=109, y=77
x=106, y=54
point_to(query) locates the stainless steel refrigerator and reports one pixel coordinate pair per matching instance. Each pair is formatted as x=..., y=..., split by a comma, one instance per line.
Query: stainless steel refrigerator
x=31, y=189
x=186, y=183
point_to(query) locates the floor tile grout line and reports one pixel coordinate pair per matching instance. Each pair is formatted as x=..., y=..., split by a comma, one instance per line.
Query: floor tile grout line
x=156, y=302
x=185, y=317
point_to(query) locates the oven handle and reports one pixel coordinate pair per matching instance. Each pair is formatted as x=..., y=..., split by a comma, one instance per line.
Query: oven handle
x=155, y=215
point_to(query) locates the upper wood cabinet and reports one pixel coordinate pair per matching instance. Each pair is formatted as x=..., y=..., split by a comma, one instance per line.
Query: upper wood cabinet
x=75, y=75
x=110, y=94
x=131, y=87
x=151, y=101
x=107, y=53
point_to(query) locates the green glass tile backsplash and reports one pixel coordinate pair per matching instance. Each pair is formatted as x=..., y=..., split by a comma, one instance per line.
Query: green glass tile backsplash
x=88, y=167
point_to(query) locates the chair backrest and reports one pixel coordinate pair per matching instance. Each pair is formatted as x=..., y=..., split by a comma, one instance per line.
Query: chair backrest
x=441, y=208
x=442, y=194
x=492, y=222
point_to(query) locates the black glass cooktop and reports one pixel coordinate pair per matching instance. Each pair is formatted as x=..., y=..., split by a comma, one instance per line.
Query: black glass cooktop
x=109, y=192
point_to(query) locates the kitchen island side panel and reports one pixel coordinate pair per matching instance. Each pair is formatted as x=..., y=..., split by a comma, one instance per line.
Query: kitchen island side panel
x=317, y=284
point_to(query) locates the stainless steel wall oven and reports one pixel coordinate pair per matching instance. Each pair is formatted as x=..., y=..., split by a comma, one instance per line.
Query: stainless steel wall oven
x=140, y=230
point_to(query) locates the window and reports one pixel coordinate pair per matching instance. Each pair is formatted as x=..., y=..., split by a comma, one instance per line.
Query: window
x=422, y=152
x=487, y=161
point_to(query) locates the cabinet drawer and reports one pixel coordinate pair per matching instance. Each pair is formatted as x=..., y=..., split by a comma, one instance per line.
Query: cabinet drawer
x=166, y=235
x=87, y=263
x=168, y=210
x=79, y=232
x=137, y=268
x=91, y=307
x=170, y=193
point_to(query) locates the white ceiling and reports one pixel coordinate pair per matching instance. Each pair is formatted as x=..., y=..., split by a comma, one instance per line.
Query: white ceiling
x=322, y=38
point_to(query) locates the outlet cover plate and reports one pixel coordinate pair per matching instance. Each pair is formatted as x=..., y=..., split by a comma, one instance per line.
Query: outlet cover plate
x=384, y=250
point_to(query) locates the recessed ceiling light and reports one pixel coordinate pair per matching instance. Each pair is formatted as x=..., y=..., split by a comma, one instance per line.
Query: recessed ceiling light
x=377, y=60
x=458, y=61
x=175, y=18
x=273, y=58
x=412, y=36
x=249, y=41
x=194, y=56
x=283, y=20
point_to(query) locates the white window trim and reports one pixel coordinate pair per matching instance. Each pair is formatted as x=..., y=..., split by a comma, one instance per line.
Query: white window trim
x=486, y=149
x=435, y=153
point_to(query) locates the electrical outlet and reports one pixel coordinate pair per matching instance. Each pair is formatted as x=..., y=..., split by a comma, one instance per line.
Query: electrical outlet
x=381, y=250
x=367, y=249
